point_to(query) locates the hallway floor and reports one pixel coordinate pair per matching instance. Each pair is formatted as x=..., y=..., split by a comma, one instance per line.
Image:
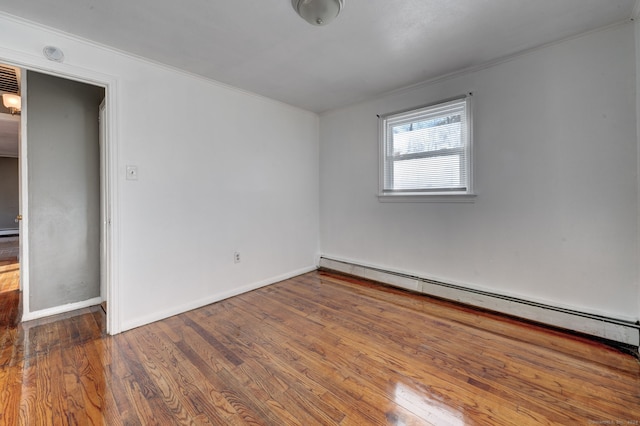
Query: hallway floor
x=9, y=248
x=9, y=275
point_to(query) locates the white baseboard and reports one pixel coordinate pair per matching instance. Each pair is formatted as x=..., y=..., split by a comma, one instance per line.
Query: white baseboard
x=617, y=330
x=138, y=322
x=9, y=231
x=30, y=316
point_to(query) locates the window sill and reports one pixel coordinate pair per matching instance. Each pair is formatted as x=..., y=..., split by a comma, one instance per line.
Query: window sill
x=427, y=198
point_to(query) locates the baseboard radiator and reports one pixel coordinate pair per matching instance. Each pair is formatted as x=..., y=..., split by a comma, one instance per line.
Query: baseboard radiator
x=611, y=329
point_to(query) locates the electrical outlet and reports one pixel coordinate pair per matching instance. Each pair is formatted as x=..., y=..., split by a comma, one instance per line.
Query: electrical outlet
x=236, y=257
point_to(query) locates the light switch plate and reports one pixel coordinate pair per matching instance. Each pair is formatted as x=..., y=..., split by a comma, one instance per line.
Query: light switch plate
x=132, y=172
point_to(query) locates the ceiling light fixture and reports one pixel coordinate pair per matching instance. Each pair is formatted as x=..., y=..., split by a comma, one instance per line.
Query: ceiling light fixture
x=318, y=12
x=53, y=53
x=13, y=102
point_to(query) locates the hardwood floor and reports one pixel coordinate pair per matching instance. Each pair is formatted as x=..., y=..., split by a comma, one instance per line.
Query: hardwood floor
x=9, y=275
x=320, y=349
x=9, y=247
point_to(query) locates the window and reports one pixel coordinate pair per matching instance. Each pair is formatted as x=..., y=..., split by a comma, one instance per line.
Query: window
x=427, y=151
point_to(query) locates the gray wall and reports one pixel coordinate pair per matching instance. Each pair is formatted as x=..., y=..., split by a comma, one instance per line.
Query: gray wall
x=8, y=192
x=64, y=191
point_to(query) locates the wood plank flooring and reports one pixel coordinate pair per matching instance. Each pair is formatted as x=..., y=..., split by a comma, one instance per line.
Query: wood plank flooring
x=319, y=349
x=9, y=275
x=9, y=247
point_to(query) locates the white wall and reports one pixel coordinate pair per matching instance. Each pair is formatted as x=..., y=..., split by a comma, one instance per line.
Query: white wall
x=556, y=216
x=225, y=171
x=233, y=171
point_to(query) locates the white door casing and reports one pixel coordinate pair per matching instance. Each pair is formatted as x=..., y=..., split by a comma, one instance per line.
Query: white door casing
x=109, y=189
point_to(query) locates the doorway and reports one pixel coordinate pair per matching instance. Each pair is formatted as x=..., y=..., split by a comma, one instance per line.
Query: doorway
x=63, y=193
x=61, y=198
x=9, y=195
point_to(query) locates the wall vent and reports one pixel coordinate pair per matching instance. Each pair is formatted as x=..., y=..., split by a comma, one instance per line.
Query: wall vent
x=9, y=80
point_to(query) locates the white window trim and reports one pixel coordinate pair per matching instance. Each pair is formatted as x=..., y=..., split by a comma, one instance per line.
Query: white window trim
x=433, y=197
x=467, y=196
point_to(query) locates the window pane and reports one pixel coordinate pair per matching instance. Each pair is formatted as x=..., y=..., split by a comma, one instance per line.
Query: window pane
x=427, y=149
x=427, y=173
x=424, y=136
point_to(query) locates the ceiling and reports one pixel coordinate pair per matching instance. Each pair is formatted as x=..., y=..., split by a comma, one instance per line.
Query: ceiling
x=373, y=47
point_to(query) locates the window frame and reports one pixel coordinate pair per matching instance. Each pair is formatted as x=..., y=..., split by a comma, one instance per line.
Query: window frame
x=387, y=160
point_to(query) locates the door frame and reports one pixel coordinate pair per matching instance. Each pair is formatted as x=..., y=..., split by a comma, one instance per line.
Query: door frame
x=104, y=202
x=109, y=193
